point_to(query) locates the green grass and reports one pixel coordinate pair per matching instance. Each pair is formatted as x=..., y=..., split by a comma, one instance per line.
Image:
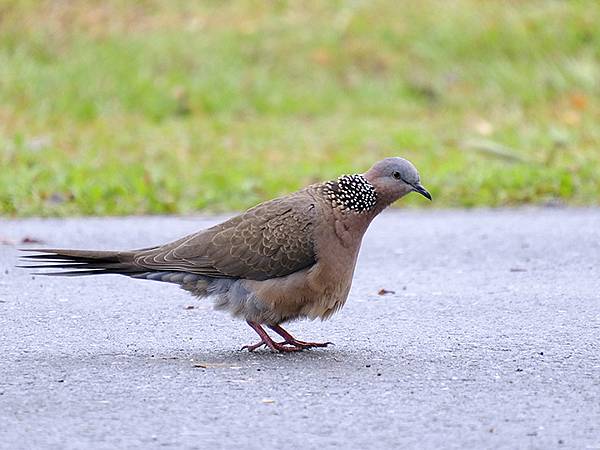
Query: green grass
x=115, y=107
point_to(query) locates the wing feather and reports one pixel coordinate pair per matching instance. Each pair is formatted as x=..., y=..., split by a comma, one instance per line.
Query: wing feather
x=272, y=239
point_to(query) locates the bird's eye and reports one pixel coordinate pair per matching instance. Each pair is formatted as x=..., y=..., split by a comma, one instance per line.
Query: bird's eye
x=396, y=175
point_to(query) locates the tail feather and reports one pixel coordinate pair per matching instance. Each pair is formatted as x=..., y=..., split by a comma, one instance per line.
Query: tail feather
x=85, y=262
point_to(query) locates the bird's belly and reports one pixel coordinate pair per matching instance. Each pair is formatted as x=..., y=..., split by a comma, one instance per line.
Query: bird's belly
x=311, y=293
x=326, y=303
x=316, y=292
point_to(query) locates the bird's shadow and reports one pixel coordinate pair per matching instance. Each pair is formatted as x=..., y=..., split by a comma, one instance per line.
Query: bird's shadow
x=241, y=358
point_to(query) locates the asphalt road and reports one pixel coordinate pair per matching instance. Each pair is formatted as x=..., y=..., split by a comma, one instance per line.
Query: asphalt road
x=491, y=339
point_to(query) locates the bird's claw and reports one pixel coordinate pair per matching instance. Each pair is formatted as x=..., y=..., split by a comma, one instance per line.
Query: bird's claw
x=307, y=345
x=286, y=346
x=289, y=343
x=253, y=347
x=277, y=347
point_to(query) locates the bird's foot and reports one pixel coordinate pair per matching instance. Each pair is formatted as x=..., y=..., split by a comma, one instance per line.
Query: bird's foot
x=289, y=344
x=291, y=340
x=303, y=345
x=253, y=347
x=278, y=347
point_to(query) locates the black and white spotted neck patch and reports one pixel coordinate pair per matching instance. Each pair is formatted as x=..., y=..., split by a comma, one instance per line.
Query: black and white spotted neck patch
x=351, y=192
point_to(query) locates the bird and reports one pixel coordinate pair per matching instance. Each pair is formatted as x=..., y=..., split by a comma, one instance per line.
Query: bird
x=285, y=259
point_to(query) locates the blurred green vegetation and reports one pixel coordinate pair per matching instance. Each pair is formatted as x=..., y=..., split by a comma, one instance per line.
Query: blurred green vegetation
x=156, y=106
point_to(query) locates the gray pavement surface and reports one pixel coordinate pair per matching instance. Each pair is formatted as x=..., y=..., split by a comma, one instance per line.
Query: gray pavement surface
x=491, y=339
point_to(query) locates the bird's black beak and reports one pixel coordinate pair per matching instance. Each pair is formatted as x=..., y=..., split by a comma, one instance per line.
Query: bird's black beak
x=421, y=190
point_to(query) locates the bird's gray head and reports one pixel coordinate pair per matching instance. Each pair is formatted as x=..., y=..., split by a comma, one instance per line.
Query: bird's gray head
x=393, y=178
x=383, y=184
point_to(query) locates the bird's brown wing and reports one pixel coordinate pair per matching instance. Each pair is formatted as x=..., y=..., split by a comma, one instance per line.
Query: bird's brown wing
x=272, y=239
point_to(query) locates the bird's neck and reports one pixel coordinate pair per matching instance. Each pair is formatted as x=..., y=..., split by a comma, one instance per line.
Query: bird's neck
x=354, y=201
x=350, y=194
x=384, y=199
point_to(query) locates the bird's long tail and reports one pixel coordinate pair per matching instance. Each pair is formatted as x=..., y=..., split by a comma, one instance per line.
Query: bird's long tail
x=81, y=262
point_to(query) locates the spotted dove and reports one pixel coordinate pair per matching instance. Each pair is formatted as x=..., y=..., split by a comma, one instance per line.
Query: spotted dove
x=288, y=258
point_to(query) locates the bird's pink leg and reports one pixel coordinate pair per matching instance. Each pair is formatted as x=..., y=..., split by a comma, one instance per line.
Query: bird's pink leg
x=266, y=340
x=291, y=340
